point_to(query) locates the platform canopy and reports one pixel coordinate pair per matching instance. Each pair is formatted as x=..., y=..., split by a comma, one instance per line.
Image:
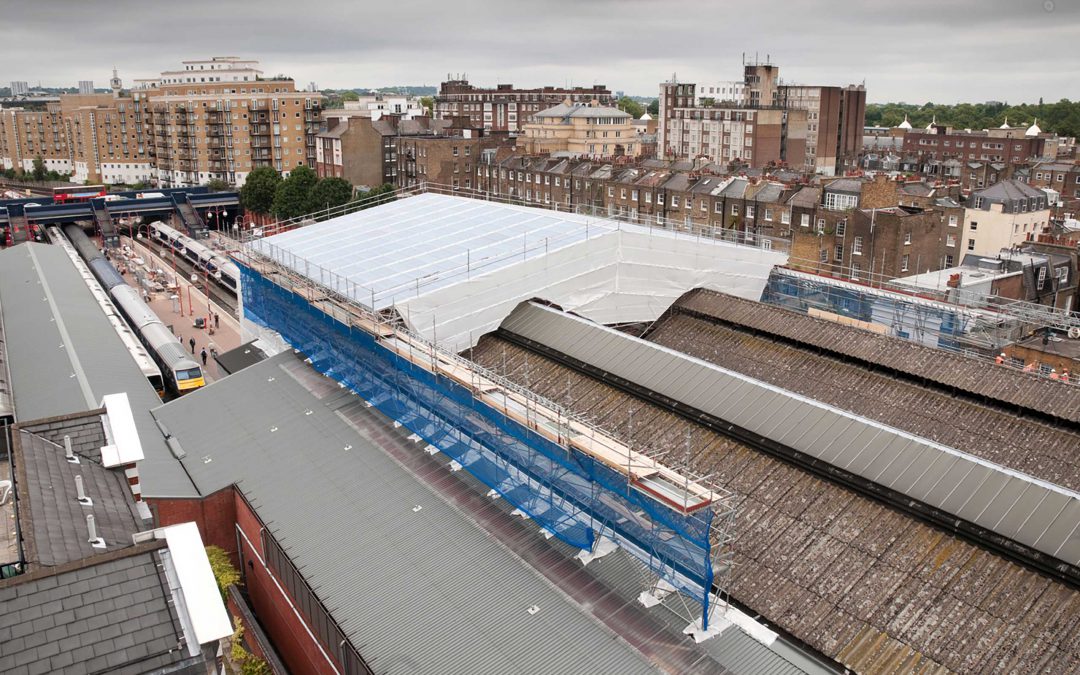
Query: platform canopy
x=454, y=267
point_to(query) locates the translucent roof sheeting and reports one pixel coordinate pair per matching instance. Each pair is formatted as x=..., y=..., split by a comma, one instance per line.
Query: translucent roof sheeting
x=455, y=267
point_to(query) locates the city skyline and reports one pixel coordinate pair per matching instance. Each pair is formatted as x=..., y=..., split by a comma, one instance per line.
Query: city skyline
x=628, y=47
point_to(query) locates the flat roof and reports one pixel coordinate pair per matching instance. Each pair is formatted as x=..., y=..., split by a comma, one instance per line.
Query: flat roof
x=65, y=356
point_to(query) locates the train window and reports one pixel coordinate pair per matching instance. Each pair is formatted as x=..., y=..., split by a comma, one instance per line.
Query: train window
x=189, y=374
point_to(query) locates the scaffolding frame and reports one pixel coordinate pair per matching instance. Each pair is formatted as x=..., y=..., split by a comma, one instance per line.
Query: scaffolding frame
x=544, y=422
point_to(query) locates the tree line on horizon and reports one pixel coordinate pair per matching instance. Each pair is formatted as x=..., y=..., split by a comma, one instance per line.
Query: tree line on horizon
x=1062, y=118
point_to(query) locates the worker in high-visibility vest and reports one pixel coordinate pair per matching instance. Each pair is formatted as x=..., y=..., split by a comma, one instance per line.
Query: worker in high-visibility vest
x=1000, y=359
x=1065, y=375
x=1054, y=374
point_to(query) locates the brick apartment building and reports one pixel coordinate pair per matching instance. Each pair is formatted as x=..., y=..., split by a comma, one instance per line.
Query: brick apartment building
x=28, y=134
x=505, y=108
x=764, y=122
x=1007, y=146
x=216, y=118
x=363, y=151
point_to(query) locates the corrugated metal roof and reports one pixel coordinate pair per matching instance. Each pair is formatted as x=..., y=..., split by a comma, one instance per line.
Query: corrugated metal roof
x=936, y=365
x=415, y=591
x=65, y=356
x=1038, y=514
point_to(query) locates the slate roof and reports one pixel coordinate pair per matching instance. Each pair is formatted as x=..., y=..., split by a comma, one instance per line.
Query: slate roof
x=65, y=356
x=1008, y=190
x=568, y=111
x=110, y=614
x=51, y=516
x=850, y=185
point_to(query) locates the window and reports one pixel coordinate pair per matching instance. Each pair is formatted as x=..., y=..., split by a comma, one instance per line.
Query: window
x=648, y=198
x=856, y=246
x=971, y=245
x=952, y=221
x=1042, y=278
x=804, y=220
x=904, y=260
x=855, y=270
x=907, y=239
x=949, y=261
x=1063, y=274
x=974, y=226
x=838, y=254
x=785, y=217
x=749, y=211
x=841, y=227
x=950, y=240
x=768, y=214
x=611, y=192
x=823, y=256
x=821, y=226
x=622, y=193
x=718, y=207
x=734, y=209
x=675, y=201
x=633, y=195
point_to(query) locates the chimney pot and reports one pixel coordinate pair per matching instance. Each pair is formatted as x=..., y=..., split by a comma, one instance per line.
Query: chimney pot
x=68, y=452
x=91, y=527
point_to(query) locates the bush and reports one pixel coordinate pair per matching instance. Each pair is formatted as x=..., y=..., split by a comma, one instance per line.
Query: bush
x=224, y=573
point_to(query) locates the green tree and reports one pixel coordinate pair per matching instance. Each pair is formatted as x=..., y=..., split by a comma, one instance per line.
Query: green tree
x=350, y=96
x=331, y=192
x=629, y=105
x=39, y=171
x=429, y=103
x=654, y=107
x=224, y=572
x=257, y=194
x=380, y=195
x=292, y=198
x=218, y=185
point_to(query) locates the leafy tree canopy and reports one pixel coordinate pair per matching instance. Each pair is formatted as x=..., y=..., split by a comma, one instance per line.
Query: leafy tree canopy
x=629, y=105
x=331, y=192
x=292, y=198
x=257, y=194
x=1062, y=118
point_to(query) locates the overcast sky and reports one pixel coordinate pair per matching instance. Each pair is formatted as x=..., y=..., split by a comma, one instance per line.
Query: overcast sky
x=915, y=50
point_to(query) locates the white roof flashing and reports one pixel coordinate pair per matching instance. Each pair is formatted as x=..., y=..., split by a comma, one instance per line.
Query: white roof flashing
x=202, y=599
x=124, y=446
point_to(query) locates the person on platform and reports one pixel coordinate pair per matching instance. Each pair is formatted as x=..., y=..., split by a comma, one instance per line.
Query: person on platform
x=203, y=355
x=191, y=342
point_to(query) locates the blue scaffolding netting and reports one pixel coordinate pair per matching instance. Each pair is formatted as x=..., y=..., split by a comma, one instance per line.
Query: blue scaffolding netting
x=569, y=493
x=923, y=322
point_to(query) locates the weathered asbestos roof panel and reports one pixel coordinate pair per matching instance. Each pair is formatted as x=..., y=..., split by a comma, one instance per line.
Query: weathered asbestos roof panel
x=1045, y=518
x=952, y=370
x=852, y=577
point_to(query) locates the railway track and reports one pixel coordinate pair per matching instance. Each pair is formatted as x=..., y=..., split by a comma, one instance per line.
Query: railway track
x=223, y=297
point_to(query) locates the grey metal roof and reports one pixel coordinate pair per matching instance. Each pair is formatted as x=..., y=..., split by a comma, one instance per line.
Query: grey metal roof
x=1043, y=516
x=415, y=591
x=57, y=521
x=1008, y=190
x=243, y=356
x=115, y=616
x=65, y=356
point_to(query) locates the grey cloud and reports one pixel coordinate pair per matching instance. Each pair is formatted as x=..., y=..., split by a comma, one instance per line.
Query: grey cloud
x=914, y=51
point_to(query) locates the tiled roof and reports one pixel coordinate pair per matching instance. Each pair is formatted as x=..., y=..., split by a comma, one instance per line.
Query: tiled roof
x=52, y=516
x=111, y=614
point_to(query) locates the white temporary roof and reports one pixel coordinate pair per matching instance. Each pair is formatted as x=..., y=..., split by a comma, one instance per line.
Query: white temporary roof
x=454, y=267
x=202, y=599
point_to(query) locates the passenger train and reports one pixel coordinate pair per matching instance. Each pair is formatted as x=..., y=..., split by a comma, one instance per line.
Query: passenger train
x=179, y=370
x=146, y=363
x=223, y=270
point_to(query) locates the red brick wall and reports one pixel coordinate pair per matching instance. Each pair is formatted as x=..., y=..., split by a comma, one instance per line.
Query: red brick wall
x=214, y=514
x=297, y=648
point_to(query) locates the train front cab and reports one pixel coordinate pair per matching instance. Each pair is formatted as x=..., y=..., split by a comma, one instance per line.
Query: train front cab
x=188, y=379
